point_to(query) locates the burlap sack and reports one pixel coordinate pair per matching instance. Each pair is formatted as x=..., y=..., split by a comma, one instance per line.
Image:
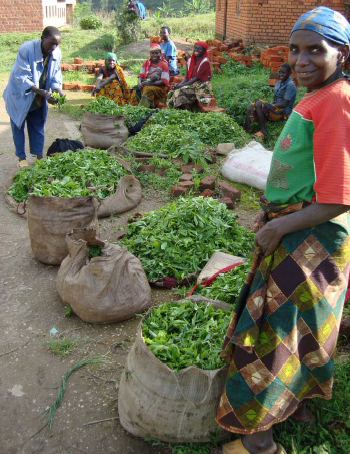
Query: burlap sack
x=127, y=196
x=155, y=401
x=109, y=288
x=103, y=131
x=51, y=218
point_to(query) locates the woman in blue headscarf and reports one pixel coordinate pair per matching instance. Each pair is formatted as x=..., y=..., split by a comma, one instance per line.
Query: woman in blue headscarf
x=283, y=333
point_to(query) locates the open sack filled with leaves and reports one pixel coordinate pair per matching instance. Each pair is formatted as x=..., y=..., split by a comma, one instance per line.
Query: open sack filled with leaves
x=225, y=285
x=181, y=237
x=174, y=376
x=102, y=282
x=105, y=124
x=77, y=174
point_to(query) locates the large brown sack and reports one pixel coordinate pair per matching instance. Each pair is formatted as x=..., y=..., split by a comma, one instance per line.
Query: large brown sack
x=127, y=196
x=103, y=131
x=51, y=218
x=106, y=289
x=158, y=402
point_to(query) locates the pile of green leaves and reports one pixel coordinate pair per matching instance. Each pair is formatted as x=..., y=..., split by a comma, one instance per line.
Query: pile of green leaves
x=60, y=99
x=212, y=128
x=170, y=140
x=182, y=236
x=69, y=175
x=105, y=106
x=226, y=286
x=186, y=334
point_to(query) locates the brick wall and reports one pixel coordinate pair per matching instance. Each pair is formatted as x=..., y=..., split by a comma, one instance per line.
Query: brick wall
x=266, y=22
x=21, y=16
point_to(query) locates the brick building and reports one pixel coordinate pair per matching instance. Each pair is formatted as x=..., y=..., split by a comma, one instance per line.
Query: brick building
x=34, y=15
x=265, y=22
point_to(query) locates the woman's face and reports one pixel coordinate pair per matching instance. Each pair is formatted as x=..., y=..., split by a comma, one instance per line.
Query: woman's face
x=110, y=63
x=198, y=51
x=155, y=55
x=314, y=59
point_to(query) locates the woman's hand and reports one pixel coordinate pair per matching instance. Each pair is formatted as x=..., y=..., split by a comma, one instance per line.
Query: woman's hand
x=268, y=238
x=95, y=90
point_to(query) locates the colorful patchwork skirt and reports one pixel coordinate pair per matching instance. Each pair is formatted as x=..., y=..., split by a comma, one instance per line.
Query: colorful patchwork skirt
x=186, y=96
x=148, y=96
x=115, y=92
x=282, y=336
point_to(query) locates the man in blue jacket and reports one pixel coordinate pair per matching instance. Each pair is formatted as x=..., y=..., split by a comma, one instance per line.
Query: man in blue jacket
x=34, y=76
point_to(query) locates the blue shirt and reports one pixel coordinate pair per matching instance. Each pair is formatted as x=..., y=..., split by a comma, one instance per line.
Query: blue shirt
x=25, y=73
x=169, y=50
x=286, y=90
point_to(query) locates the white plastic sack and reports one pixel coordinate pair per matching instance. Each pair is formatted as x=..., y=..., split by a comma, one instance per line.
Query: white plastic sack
x=249, y=165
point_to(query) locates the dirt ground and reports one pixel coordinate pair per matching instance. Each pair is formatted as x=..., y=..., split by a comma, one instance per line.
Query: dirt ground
x=87, y=420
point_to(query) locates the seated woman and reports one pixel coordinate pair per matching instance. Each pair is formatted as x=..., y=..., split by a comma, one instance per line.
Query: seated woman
x=282, y=105
x=111, y=82
x=153, y=80
x=195, y=87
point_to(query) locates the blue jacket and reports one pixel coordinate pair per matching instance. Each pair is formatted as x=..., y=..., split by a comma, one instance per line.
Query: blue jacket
x=142, y=9
x=25, y=73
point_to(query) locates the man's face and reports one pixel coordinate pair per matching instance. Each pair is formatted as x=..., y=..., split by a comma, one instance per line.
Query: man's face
x=283, y=74
x=49, y=43
x=164, y=34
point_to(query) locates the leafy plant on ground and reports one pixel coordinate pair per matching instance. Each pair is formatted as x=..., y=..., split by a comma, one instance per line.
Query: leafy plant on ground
x=165, y=175
x=90, y=22
x=182, y=236
x=170, y=140
x=212, y=128
x=186, y=334
x=69, y=174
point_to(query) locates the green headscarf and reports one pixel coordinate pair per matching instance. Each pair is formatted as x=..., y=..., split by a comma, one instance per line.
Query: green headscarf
x=111, y=55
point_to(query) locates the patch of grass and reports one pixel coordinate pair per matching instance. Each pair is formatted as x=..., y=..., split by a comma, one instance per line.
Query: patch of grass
x=192, y=28
x=78, y=76
x=62, y=346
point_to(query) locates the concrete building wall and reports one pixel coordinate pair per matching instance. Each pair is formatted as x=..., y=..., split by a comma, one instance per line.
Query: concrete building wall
x=263, y=22
x=54, y=13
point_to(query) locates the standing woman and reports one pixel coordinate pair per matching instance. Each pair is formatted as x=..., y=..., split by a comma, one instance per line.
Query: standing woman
x=195, y=87
x=283, y=334
x=34, y=76
x=110, y=81
x=153, y=80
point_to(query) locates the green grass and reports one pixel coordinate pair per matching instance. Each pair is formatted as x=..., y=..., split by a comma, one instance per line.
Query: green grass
x=62, y=346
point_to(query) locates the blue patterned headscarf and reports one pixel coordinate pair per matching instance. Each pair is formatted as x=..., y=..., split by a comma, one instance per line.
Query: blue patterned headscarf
x=326, y=22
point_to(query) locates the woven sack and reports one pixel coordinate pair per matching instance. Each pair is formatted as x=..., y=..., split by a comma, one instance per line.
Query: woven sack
x=51, y=218
x=109, y=288
x=127, y=196
x=155, y=401
x=103, y=131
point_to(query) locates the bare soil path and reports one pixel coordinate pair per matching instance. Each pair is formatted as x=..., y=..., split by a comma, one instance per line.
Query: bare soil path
x=29, y=308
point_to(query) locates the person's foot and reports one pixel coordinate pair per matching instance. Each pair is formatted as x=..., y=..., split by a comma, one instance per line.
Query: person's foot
x=302, y=414
x=23, y=163
x=40, y=157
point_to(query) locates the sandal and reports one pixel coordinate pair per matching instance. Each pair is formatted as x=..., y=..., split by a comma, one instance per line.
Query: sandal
x=23, y=163
x=237, y=447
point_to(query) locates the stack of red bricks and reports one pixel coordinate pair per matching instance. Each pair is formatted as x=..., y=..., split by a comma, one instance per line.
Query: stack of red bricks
x=92, y=67
x=273, y=57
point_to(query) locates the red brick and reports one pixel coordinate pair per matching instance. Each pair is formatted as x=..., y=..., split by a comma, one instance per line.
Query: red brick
x=207, y=193
x=207, y=183
x=178, y=191
x=186, y=184
x=228, y=191
x=146, y=168
x=228, y=202
x=188, y=168
x=177, y=162
x=186, y=177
